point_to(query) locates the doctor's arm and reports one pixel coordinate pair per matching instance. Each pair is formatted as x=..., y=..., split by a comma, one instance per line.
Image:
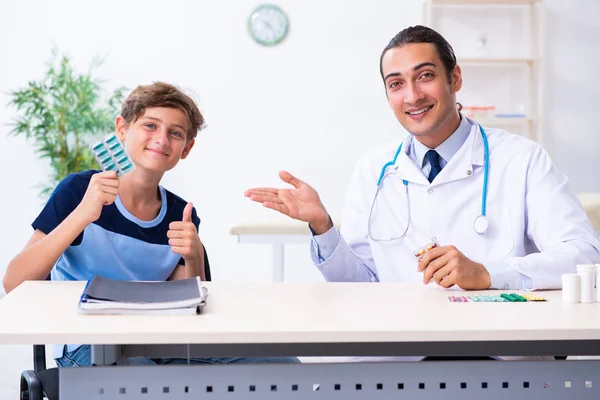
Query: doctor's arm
x=556, y=224
x=345, y=256
x=337, y=259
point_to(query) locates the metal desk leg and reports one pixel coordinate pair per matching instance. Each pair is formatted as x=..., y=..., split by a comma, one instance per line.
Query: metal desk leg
x=277, y=241
x=278, y=260
x=106, y=354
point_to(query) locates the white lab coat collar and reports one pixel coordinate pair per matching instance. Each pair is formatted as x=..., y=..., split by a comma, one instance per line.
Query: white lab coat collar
x=447, y=149
x=460, y=166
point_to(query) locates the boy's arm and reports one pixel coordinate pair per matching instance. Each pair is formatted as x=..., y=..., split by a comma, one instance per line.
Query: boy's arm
x=188, y=271
x=42, y=251
x=38, y=257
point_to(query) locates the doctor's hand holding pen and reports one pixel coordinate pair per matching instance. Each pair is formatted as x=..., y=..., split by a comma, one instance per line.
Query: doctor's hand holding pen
x=447, y=266
x=302, y=202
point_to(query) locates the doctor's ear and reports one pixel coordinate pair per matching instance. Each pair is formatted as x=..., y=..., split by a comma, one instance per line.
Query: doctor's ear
x=456, y=79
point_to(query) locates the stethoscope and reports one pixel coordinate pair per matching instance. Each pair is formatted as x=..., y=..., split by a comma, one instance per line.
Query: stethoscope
x=480, y=224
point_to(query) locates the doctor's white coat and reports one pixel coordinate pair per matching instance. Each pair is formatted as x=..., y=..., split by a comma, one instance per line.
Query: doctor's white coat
x=537, y=226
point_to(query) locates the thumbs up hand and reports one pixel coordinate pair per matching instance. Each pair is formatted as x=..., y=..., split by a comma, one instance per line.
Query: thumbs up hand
x=187, y=212
x=184, y=239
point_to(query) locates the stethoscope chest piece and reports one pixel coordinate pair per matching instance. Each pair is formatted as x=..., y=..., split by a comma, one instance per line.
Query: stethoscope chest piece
x=480, y=224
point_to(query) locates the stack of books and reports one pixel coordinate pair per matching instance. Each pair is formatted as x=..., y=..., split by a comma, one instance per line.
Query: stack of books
x=108, y=296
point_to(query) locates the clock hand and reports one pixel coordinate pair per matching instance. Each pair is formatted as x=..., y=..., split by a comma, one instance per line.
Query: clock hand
x=268, y=25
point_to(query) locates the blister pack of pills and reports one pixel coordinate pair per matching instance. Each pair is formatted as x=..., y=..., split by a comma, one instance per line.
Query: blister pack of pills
x=531, y=297
x=501, y=298
x=111, y=155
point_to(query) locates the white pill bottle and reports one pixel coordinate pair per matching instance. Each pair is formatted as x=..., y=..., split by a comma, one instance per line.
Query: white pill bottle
x=570, y=288
x=587, y=292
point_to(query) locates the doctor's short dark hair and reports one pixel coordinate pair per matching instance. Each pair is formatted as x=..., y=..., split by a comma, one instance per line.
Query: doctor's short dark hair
x=423, y=34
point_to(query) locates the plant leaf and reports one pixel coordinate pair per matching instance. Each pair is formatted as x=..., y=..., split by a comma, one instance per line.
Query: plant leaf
x=62, y=113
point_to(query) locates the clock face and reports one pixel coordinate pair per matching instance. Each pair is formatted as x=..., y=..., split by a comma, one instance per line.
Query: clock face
x=268, y=25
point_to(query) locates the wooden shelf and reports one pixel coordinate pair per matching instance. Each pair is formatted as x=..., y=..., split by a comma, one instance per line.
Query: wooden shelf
x=526, y=61
x=495, y=60
x=501, y=122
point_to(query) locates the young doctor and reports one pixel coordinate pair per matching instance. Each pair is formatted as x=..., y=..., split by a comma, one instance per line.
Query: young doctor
x=504, y=217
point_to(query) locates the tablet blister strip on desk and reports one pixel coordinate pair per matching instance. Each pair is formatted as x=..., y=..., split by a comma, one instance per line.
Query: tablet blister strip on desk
x=427, y=380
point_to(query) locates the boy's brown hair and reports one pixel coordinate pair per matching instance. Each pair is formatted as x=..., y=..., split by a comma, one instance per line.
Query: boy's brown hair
x=161, y=94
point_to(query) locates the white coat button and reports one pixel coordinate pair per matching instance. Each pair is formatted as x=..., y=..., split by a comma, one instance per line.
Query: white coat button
x=469, y=172
x=430, y=191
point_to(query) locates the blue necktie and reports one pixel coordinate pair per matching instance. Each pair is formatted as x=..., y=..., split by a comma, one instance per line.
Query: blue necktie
x=434, y=160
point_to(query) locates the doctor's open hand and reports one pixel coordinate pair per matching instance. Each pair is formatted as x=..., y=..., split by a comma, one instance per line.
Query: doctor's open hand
x=447, y=266
x=302, y=202
x=184, y=239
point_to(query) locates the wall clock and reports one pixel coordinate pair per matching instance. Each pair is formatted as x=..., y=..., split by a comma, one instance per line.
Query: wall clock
x=268, y=25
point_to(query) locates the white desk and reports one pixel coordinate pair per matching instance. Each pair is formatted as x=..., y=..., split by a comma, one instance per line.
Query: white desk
x=320, y=319
x=277, y=235
x=326, y=313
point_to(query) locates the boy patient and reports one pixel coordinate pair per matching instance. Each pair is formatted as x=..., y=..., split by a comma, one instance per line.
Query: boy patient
x=127, y=227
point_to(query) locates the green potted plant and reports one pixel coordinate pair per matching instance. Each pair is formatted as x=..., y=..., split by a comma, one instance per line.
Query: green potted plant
x=62, y=113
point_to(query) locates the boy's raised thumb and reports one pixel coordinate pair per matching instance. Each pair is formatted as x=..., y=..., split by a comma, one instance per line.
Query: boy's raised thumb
x=187, y=212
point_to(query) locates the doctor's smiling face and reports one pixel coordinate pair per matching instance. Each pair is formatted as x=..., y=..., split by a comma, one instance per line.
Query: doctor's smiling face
x=421, y=88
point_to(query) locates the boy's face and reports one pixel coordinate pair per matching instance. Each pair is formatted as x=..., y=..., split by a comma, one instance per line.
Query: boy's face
x=418, y=89
x=158, y=139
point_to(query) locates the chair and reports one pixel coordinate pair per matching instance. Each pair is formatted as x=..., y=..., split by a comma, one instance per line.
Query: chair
x=42, y=382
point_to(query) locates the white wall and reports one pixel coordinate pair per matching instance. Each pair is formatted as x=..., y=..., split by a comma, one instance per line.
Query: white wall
x=312, y=105
x=572, y=90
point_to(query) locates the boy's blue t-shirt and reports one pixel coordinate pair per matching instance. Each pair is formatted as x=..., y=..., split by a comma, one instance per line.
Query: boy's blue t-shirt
x=118, y=245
